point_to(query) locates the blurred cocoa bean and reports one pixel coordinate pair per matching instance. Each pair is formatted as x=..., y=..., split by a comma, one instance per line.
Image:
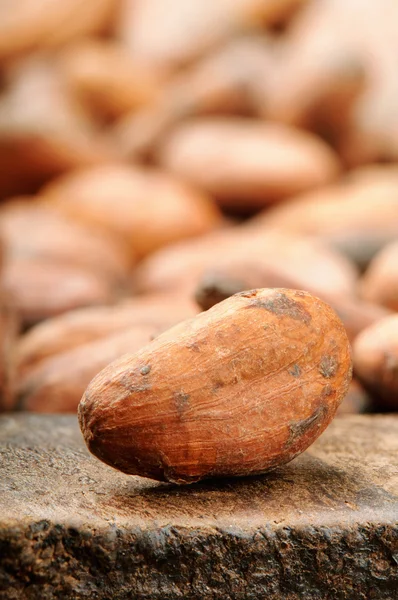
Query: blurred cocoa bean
x=145, y=208
x=244, y=163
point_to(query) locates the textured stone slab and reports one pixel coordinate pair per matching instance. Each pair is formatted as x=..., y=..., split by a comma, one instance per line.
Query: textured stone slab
x=323, y=527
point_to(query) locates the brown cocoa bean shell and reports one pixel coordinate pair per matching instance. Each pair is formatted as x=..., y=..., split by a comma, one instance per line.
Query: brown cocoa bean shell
x=164, y=40
x=42, y=289
x=245, y=163
x=145, y=208
x=280, y=259
x=107, y=80
x=237, y=390
x=29, y=24
x=357, y=216
x=32, y=230
x=47, y=135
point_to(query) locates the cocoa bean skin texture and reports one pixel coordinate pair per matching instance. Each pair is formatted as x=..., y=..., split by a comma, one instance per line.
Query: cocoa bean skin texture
x=237, y=390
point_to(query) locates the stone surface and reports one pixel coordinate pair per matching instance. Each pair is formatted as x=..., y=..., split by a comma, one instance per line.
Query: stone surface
x=323, y=527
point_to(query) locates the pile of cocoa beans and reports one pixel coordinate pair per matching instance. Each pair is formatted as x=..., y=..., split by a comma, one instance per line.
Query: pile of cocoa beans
x=158, y=157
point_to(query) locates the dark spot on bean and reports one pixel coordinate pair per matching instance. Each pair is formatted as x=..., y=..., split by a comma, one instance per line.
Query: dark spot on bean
x=127, y=382
x=248, y=294
x=295, y=371
x=194, y=346
x=217, y=385
x=169, y=474
x=140, y=388
x=281, y=305
x=145, y=370
x=181, y=401
x=298, y=428
x=328, y=366
x=327, y=390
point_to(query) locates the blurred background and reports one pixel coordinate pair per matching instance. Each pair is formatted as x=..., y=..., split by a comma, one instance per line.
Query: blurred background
x=157, y=156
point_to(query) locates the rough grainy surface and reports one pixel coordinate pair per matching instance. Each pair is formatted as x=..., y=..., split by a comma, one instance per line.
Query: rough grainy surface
x=323, y=527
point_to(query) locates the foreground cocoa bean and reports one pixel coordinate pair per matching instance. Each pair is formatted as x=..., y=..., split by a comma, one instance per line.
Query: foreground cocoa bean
x=145, y=208
x=237, y=390
x=245, y=163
